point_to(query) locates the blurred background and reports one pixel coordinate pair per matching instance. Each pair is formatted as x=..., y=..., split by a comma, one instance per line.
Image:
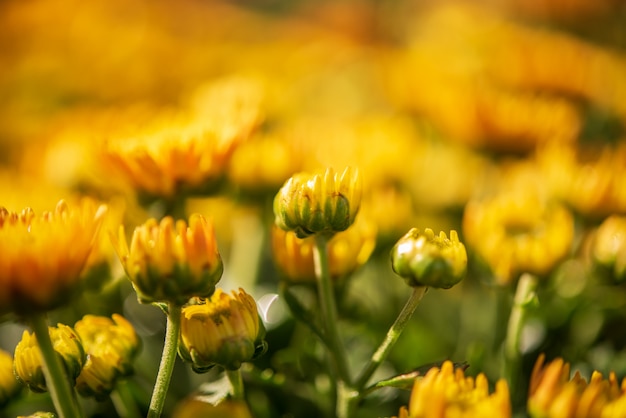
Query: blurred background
x=439, y=103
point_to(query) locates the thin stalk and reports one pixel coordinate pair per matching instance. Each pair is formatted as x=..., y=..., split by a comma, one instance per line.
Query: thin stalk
x=524, y=295
x=168, y=359
x=392, y=336
x=123, y=401
x=62, y=393
x=236, y=381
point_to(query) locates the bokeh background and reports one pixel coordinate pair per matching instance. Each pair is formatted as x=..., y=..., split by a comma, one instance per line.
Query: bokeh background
x=437, y=102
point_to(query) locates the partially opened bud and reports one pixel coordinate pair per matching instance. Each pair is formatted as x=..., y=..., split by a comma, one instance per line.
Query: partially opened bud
x=28, y=365
x=225, y=330
x=320, y=203
x=170, y=261
x=426, y=259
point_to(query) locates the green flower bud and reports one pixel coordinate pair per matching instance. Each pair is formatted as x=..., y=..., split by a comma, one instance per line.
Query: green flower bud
x=170, y=262
x=9, y=385
x=28, y=365
x=225, y=330
x=320, y=203
x=429, y=260
x=111, y=345
x=609, y=248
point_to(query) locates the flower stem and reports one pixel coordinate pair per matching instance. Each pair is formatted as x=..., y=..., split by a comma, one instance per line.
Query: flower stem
x=524, y=295
x=168, y=359
x=392, y=336
x=330, y=325
x=123, y=401
x=236, y=381
x=62, y=393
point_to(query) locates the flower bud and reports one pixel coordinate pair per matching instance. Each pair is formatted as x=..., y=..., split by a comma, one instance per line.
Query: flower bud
x=224, y=330
x=111, y=345
x=9, y=385
x=39, y=414
x=609, y=248
x=193, y=407
x=28, y=366
x=424, y=259
x=321, y=203
x=170, y=262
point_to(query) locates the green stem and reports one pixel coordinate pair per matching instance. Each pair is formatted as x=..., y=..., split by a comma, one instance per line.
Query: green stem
x=124, y=401
x=168, y=359
x=392, y=336
x=62, y=393
x=346, y=396
x=236, y=381
x=524, y=295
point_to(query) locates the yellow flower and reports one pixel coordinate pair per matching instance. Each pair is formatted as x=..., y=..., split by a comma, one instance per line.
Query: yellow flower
x=111, y=345
x=39, y=414
x=196, y=407
x=321, y=203
x=425, y=259
x=28, y=364
x=347, y=251
x=447, y=393
x=43, y=256
x=553, y=394
x=609, y=247
x=170, y=261
x=518, y=232
x=223, y=330
x=9, y=385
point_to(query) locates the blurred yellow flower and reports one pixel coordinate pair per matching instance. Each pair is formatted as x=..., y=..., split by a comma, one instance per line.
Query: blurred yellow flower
x=347, y=251
x=426, y=259
x=553, y=394
x=320, y=203
x=111, y=345
x=518, y=232
x=196, y=407
x=447, y=393
x=170, y=261
x=43, y=256
x=28, y=362
x=223, y=330
x=9, y=385
x=608, y=248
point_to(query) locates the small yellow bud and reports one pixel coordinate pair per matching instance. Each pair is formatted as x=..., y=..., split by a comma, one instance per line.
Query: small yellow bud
x=9, y=385
x=609, y=248
x=171, y=262
x=321, y=203
x=28, y=365
x=425, y=259
x=225, y=330
x=111, y=345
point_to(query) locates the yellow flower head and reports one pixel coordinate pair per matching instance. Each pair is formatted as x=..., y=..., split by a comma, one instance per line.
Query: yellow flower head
x=321, y=203
x=553, y=394
x=518, y=232
x=197, y=407
x=447, y=393
x=426, y=259
x=170, y=261
x=225, y=330
x=43, y=256
x=609, y=247
x=9, y=385
x=347, y=251
x=28, y=364
x=111, y=345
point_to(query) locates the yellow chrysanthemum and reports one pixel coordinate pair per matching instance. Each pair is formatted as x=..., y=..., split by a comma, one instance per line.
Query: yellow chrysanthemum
x=28, y=362
x=9, y=385
x=43, y=256
x=170, y=261
x=608, y=249
x=553, y=394
x=323, y=203
x=426, y=259
x=447, y=393
x=111, y=345
x=518, y=232
x=223, y=330
x=347, y=251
